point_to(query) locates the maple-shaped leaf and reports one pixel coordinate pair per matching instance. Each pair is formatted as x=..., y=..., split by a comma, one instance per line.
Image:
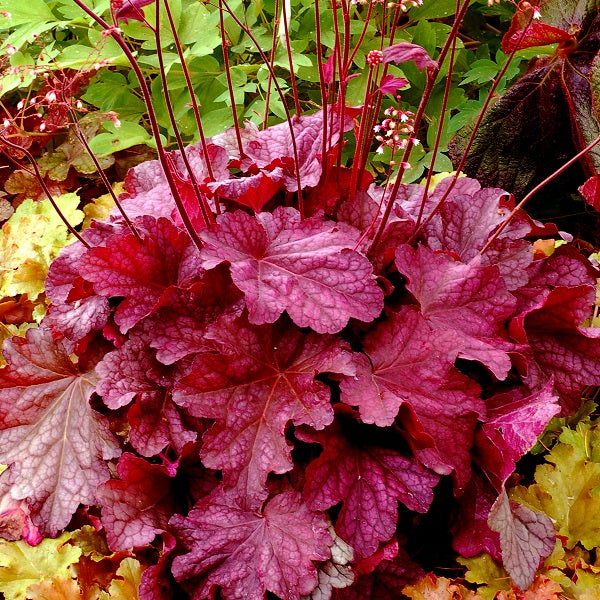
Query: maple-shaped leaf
x=306, y=267
x=147, y=191
x=137, y=506
x=272, y=147
x=30, y=240
x=178, y=327
x=53, y=441
x=249, y=552
x=131, y=372
x=512, y=426
x=409, y=364
x=262, y=379
x=526, y=538
x=141, y=271
x=559, y=347
x=565, y=267
x=448, y=291
x=370, y=481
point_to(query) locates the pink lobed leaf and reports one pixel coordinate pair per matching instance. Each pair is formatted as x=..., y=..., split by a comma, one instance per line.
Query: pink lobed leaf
x=370, y=481
x=526, y=538
x=249, y=552
x=53, y=441
x=305, y=267
x=263, y=379
x=131, y=372
x=405, y=51
x=409, y=364
x=137, y=506
x=141, y=272
x=130, y=9
x=512, y=426
x=470, y=300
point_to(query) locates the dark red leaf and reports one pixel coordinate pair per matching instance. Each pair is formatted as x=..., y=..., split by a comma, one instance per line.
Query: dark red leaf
x=526, y=31
x=130, y=9
x=53, y=441
x=370, y=481
x=141, y=272
x=263, y=379
x=590, y=190
x=249, y=552
x=137, y=506
x=411, y=365
x=306, y=267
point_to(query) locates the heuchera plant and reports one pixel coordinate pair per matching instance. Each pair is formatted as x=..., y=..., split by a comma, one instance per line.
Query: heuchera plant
x=268, y=367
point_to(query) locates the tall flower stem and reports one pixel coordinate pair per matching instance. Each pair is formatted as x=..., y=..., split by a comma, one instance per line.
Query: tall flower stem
x=162, y=156
x=432, y=74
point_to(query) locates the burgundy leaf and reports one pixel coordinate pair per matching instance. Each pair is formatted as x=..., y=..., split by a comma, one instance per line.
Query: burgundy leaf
x=133, y=372
x=177, y=329
x=472, y=534
x=53, y=441
x=370, y=481
x=249, y=552
x=404, y=51
x=559, y=346
x=526, y=538
x=157, y=582
x=590, y=190
x=525, y=31
x=470, y=300
x=263, y=379
x=137, y=506
x=141, y=271
x=130, y=9
x=411, y=365
x=305, y=267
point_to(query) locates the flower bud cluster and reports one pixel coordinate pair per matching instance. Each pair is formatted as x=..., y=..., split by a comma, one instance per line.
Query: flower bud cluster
x=395, y=130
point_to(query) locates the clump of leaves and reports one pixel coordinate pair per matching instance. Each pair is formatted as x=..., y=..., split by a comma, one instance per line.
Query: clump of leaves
x=262, y=364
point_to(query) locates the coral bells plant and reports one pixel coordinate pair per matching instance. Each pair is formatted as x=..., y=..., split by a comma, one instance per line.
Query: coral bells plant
x=268, y=370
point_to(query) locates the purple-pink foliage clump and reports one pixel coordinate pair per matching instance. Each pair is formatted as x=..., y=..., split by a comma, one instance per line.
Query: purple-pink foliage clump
x=285, y=384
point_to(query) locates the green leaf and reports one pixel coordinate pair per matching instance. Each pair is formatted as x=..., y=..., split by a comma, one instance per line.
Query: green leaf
x=32, y=11
x=127, y=135
x=436, y=9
